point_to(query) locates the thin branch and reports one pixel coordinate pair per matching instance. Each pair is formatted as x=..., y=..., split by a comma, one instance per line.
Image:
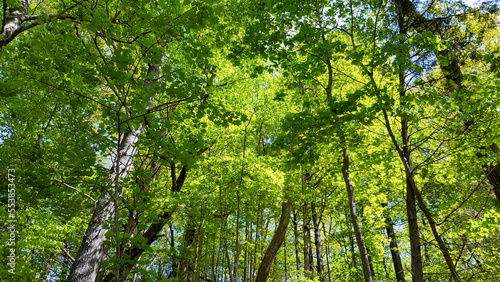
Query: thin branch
x=429, y=157
x=155, y=109
x=76, y=189
x=68, y=254
x=69, y=91
x=463, y=202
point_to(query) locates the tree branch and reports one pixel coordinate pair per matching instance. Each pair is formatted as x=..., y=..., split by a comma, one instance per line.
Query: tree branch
x=76, y=189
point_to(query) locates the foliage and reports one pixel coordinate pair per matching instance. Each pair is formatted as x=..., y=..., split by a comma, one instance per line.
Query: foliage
x=253, y=103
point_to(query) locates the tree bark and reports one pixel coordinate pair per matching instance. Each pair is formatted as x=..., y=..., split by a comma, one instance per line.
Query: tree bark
x=306, y=233
x=317, y=242
x=393, y=244
x=351, y=245
x=407, y=10
x=328, y=263
x=278, y=238
x=198, y=251
x=411, y=209
x=365, y=261
x=413, y=229
x=185, y=260
x=15, y=23
x=153, y=231
x=48, y=265
x=92, y=249
x=296, y=241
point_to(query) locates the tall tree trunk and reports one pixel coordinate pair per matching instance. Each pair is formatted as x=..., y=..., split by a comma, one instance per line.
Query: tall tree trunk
x=393, y=244
x=411, y=209
x=317, y=242
x=365, y=261
x=246, y=254
x=153, y=231
x=257, y=236
x=238, y=210
x=413, y=186
x=173, y=263
x=186, y=254
x=48, y=265
x=278, y=238
x=284, y=260
x=296, y=240
x=198, y=251
x=226, y=251
x=92, y=249
x=306, y=233
x=328, y=263
x=161, y=269
x=327, y=233
x=406, y=9
x=237, y=253
x=351, y=245
x=417, y=270
x=415, y=248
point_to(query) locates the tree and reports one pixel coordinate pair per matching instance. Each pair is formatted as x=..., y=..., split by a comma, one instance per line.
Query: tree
x=176, y=141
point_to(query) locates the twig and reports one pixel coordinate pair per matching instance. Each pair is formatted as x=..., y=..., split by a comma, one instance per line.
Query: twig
x=76, y=189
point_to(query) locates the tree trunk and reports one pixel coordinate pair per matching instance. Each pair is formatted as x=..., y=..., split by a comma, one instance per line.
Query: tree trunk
x=16, y=22
x=247, y=261
x=415, y=248
x=198, y=251
x=173, y=263
x=296, y=240
x=226, y=251
x=317, y=242
x=393, y=244
x=237, y=253
x=411, y=208
x=407, y=9
x=328, y=263
x=351, y=245
x=278, y=238
x=185, y=261
x=306, y=232
x=161, y=269
x=92, y=249
x=153, y=231
x=13, y=23
x=442, y=245
x=365, y=261
x=413, y=186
